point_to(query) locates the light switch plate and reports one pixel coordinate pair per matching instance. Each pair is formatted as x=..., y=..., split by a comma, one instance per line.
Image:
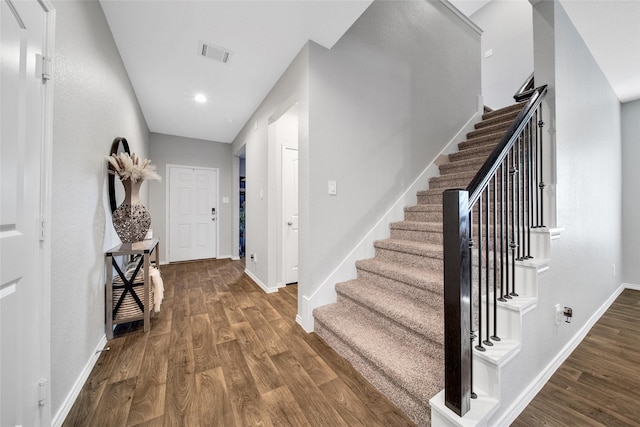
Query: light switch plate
x=333, y=188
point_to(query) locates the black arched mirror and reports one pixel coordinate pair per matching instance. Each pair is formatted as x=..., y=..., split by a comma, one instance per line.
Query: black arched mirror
x=118, y=145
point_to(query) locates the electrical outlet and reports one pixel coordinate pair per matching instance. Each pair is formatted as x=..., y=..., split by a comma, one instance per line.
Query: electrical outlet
x=254, y=258
x=559, y=314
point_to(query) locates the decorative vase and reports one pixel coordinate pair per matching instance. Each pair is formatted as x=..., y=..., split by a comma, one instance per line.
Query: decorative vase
x=131, y=219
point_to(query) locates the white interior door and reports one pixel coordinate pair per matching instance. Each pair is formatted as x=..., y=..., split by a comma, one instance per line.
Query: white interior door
x=193, y=213
x=290, y=211
x=24, y=323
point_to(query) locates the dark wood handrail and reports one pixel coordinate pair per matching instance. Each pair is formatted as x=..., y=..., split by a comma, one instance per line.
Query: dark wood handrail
x=488, y=169
x=526, y=90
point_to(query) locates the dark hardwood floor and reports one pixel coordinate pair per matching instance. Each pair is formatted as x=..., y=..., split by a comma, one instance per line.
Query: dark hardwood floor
x=223, y=353
x=599, y=383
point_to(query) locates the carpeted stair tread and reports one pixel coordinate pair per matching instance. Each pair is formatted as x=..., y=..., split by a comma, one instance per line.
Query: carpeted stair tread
x=502, y=111
x=509, y=116
x=423, y=208
x=417, y=226
x=451, y=180
x=409, y=313
x=405, y=365
x=418, y=277
x=492, y=138
x=498, y=128
x=471, y=164
x=469, y=153
x=411, y=247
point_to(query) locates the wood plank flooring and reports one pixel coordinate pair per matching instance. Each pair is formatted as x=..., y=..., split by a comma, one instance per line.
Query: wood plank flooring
x=599, y=383
x=223, y=353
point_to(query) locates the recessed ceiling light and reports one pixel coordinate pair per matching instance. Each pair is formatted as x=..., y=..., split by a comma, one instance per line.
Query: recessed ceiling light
x=200, y=98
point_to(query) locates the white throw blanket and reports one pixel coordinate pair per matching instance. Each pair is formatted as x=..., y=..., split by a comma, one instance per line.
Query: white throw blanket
x=158, y=288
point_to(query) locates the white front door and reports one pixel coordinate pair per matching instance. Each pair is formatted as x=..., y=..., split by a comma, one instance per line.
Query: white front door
x=193, y=213
x=290, y=211
x=24, y=301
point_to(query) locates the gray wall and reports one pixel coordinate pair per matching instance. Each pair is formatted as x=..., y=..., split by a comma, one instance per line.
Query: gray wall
x=177, y=150
x=588, y=161
x=507, y=30
x=384, y=101
x=93, y=103
x=630, y=193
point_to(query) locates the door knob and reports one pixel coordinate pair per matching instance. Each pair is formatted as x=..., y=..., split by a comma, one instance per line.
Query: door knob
x=289, y=223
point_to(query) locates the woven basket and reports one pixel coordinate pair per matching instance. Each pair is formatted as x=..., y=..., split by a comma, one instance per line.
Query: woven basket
x=129, y=308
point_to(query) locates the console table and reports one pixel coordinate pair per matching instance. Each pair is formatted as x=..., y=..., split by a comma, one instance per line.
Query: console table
x=133, y=288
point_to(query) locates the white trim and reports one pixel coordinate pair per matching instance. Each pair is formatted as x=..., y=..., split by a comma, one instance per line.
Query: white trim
x=325, y=294
x=462, y=16
x=283, y=230
x=631, y=286
x=167, y=207
x=258, y=282
x=536, y=385
x=299, y=322
x=68, y=402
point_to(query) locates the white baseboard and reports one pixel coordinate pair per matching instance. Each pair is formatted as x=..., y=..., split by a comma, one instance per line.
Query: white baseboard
x=235, y=258
x=259, y=283
x=300, y=322
x=325, y=294
x=68, y=402
x=536, y=385
x=631, y=286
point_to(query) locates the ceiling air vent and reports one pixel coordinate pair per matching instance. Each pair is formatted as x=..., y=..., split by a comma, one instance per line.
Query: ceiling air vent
x=214, y=52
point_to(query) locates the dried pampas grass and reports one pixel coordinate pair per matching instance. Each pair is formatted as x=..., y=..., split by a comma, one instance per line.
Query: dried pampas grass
x=131, y=167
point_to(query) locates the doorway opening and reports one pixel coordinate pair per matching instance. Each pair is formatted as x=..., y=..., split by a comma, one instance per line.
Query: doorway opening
x=283, y=141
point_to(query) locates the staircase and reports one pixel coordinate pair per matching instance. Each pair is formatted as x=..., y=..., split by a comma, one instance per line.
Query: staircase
x=389, y=321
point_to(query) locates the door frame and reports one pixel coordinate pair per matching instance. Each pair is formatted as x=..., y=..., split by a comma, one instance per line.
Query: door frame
x=283, y=248
x=168, y=207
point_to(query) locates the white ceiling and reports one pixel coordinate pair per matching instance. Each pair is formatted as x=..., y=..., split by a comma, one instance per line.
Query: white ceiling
x=158, y=42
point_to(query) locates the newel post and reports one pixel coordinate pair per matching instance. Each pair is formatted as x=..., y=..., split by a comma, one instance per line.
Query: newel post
x=457, y=300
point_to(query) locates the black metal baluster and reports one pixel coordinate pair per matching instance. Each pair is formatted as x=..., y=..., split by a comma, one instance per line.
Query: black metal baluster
x=508, y=207
x=503, y=280
x=495, y=259
x=479, y=347
x=541, y=184
x=519, y=177
x=534, y=151
x=472, y=335
x=513, y=244
x=531, y=129
x=487, y=342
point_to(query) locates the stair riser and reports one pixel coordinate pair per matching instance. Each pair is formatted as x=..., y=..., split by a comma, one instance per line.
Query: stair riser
x=482, y=151
x=433, y=237
x=462, y=166
x=410, y=260
x=429, y=294
x=423, y=216
x=502, y=111
x=427, y=199
x=434, y=349
x=492, y=121
x=409, y=404
x=444, y=182
x=488, y=131
x=479, y=142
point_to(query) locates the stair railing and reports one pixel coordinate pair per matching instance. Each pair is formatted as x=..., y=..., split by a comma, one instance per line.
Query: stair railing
x=487, y=228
